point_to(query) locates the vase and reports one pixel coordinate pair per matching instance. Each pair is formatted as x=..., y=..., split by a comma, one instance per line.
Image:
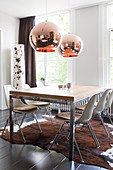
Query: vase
x=42, y=82
x=18, y=66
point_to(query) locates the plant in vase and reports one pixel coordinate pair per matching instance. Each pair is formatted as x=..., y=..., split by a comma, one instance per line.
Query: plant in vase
x=42, y=80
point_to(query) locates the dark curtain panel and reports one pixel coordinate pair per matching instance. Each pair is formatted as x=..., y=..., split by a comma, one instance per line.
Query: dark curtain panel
x=26, y=24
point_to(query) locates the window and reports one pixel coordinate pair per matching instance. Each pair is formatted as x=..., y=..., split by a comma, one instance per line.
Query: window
x=52, y=66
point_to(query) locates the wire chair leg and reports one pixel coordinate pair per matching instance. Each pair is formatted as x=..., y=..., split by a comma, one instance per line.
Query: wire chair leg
x=22, y=119
x=20, y=129
x=22, y=135
x=5, y=126
x=50, y=115
x=104, y=125
x=75, y=142
x=110, y=119
x=35, y=117
x=53, y=141
x=78, y=150
x=93, y=134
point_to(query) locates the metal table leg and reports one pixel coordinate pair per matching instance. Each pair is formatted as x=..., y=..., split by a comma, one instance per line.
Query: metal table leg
x=11, y=120
x=72, y=131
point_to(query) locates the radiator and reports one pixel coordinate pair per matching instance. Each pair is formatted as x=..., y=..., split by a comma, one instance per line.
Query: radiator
x=66, y=107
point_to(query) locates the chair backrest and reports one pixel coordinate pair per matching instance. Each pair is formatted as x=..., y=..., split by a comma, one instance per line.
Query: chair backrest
x=101, y=104
x=7, y=89
x=109, y=101
x=88, y=111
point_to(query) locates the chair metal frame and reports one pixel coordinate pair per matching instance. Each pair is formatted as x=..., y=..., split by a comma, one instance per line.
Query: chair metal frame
x=46, y=106
x=19, y=103
x=59, y=133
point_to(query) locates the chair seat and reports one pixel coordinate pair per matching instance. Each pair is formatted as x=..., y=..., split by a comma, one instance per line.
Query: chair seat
x=37, y=103
x=24, y=108
x=80, y=107
x=66, y=116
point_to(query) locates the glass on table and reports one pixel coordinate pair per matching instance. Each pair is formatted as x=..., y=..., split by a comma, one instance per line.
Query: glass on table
x=68, y=85
x=60, y=87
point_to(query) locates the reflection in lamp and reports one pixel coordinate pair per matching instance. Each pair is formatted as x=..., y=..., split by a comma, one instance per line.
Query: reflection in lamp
x=45, y=37
x=71, y=46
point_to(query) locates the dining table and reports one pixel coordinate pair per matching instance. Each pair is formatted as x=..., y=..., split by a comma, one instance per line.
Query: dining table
x=53, y=94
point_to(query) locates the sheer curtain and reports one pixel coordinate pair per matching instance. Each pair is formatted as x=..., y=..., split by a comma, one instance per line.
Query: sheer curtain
x=26, y=24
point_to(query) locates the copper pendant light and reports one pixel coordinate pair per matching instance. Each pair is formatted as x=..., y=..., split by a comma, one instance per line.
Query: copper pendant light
x=71, y=46
x=45, y=37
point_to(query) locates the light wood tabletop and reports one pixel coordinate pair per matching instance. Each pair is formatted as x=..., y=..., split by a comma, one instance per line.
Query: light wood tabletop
x=76, y=93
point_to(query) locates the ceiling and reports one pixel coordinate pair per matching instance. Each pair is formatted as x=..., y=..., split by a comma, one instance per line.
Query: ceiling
x=24, y=8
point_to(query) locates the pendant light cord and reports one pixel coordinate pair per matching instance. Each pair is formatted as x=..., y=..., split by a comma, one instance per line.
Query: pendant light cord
x=46, y=10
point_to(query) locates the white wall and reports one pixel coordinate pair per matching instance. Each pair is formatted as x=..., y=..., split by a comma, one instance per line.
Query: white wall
x=86, y=67
x=10, y=26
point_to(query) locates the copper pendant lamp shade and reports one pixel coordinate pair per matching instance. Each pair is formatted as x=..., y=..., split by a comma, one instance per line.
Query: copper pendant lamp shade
x=71, y=46
x=45, y=37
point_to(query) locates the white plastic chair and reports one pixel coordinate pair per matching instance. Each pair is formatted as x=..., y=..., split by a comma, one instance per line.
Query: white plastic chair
x=39, y=104
x=101, y=107
x=82, y=106
x=108, y=107
x=20, y=108
x=82, y=119
x=86, y=117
